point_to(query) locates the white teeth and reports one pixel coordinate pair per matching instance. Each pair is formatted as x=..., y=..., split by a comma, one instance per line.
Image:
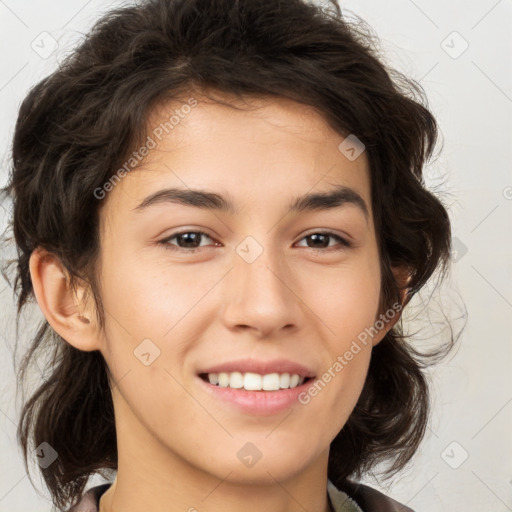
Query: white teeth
x=294, y=380
x=236, y=380
x=254, y=381
x=213, y=378
x=270, y=382
x=284, y=380
x=223, y=380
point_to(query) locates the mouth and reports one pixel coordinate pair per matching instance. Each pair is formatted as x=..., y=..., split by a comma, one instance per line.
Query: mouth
x=255, y=394
x=250, y=381
x=256, y=387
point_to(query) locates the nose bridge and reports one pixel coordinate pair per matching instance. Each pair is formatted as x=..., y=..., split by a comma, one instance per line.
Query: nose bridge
x=261, y=289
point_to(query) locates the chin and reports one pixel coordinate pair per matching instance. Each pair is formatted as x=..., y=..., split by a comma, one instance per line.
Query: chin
x=263, y=465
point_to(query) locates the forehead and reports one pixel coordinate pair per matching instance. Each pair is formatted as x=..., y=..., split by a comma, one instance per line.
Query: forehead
x=255, y=120
x=268, y=148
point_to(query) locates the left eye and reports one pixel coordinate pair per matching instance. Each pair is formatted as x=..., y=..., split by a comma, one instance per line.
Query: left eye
x=322, y=240
x=191, y=240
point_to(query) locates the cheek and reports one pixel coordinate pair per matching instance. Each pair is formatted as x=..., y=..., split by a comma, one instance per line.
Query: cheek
x=150, y=324
x=151, y=309
x=147, y=299
x=347, y=301
x=345, y=298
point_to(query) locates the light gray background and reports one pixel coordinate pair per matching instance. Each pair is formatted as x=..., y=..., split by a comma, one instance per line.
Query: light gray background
x=470, y=92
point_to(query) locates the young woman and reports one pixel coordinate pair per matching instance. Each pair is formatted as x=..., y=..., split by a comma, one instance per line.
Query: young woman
x=219, y=208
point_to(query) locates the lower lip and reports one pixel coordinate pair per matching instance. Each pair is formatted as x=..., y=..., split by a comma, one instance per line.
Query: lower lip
x=263, y=403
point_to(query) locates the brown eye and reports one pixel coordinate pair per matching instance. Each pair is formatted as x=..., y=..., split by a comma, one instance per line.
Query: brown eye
x=321, y=240
x=186, y=240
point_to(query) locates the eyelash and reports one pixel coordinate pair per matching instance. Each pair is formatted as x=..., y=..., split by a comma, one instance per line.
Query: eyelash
x=165, y=242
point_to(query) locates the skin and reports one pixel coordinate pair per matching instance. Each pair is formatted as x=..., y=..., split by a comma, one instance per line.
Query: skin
x=178, y=445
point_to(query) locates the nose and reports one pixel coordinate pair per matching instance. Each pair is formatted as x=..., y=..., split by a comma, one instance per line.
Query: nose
x=262, y=296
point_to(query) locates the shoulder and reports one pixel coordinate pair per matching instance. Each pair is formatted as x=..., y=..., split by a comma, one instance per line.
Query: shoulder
x=368, y=498
x=89, y=502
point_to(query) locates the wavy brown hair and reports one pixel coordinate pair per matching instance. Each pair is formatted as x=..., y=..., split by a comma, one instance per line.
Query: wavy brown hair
x=77, y=126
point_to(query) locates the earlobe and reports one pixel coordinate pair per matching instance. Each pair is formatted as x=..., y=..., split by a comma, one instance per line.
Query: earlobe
x=63, y=306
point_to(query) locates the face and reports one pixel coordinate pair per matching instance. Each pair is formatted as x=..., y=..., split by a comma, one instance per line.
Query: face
x=255, y=281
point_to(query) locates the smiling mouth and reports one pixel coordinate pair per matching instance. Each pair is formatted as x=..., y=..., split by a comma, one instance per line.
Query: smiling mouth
x=250, y=381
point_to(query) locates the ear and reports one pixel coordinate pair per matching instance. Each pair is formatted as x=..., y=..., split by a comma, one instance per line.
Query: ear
x=66, y=308
x=390, y=318
x=402, y=277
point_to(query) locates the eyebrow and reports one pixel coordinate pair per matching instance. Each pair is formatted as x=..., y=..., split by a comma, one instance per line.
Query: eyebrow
x=340, y=196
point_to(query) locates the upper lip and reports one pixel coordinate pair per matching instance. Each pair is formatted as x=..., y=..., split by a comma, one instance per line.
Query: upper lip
x=261, y=367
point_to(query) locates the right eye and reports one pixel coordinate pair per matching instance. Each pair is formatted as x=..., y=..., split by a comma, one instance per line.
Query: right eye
x=185, y=240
